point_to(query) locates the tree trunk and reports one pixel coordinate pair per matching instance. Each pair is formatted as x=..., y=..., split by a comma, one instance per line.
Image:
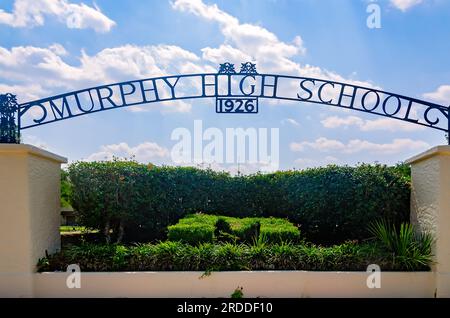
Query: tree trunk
x=121, y=232
x=106, y=231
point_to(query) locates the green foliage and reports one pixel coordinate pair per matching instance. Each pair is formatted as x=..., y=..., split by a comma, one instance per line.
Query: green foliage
x=107, y=194
x=249, y=231
x=70, y=228
x=66, y=189
x=403, y=170
x=409, y=249
x=278, y=230
x=238, y=293
x=331, y=204
x=201, y=228
x=223, y=231
x=207, y=257
x=191, y=233
x=9, y=130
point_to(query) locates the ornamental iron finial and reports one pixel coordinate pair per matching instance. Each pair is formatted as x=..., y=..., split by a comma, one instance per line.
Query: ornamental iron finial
x=9, y=132
x=227, y=68
x=248, y=68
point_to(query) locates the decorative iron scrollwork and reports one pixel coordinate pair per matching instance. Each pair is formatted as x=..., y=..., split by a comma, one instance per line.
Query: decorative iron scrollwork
x=227, y=68
x=248, y=68
x=426, y=115
x=234, y=92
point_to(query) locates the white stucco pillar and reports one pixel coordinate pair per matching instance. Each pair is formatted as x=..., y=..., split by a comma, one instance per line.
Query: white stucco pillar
x=430, y=207
x=29, y=214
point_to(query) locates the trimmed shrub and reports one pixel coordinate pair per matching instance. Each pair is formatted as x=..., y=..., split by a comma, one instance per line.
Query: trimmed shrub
x=331, y=204
x=202, y=228
x=223, y=231
x=249, y=232
x=278, y=230
x=334, y=203
x=191, y=233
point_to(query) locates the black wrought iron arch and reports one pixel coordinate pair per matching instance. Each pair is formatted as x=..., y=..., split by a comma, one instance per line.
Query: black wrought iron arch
x=235, y=92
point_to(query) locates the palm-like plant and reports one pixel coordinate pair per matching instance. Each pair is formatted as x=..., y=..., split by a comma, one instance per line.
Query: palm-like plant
x=410, y=250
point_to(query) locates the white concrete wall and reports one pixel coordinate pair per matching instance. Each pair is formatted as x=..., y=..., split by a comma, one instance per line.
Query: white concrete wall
x=430, y=207
x=301, y=284
x=29, y=214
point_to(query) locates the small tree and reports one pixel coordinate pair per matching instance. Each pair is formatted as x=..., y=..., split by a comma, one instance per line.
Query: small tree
x=9, y=132
x=105, y=196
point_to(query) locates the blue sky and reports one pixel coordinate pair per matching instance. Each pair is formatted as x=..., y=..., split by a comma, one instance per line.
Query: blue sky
x=56, y=46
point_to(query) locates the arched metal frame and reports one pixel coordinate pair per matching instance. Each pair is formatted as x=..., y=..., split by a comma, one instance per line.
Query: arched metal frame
x=235, y=92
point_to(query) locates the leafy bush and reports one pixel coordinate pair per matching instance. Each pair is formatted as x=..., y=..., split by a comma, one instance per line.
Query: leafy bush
x=409, y=249
x=106, y=194
x=137, y=202
x=191, y=233
x=177, y=256
x=201, y=228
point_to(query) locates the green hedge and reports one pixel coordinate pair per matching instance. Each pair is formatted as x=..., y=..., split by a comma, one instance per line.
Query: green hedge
x=176, y=256
x=201, y=228
x=331, y=204
x=191, y=234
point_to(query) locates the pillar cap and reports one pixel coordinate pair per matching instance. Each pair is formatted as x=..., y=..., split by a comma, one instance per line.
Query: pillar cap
x=31, y=150
x=438, y=150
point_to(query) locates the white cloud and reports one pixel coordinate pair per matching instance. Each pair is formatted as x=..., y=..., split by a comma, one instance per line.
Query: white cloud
x=48, y=69
x=311, y=163
x=441, y=95
x=132, y=61
x=357, y=145
x=369, y=125
x=31, y=13
x=144, y=152
x=24, y=93
x=248, y=42
x=335, y=121
x=223, y=53
x=290, y=121
x=404, y=5
x=244, y=41
x=321, y=143
x=39, y=72
x=58, y=49
x=35, y=141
